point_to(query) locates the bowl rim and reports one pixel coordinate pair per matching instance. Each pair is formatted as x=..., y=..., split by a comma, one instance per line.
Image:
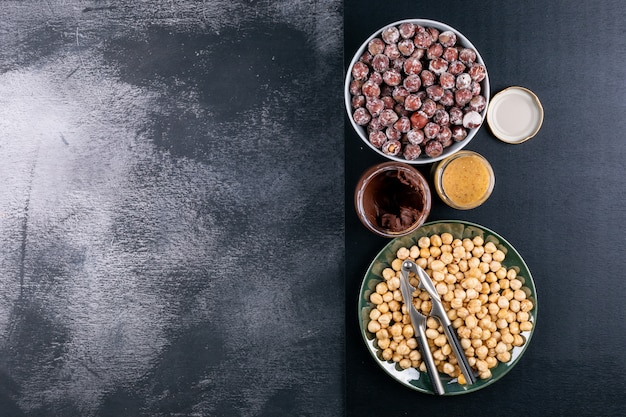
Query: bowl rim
x=505, y=368
x=455, y=147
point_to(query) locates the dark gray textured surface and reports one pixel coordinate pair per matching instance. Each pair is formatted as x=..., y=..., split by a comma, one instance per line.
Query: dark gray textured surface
x=171, y=208
x=559, y=199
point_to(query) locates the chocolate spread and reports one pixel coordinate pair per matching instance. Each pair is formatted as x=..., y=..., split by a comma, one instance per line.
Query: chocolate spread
x=393, y=200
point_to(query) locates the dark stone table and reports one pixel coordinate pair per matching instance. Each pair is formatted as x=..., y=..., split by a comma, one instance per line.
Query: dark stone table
x=177, y=234
x=171, y=208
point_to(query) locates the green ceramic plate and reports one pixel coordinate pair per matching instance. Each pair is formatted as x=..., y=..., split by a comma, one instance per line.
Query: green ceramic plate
x=412, y=377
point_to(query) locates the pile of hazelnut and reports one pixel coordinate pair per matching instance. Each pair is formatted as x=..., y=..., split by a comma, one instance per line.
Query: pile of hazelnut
x=416, y=91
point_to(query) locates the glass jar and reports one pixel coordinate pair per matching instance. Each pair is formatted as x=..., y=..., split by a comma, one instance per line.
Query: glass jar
x=392, y=199
x=464, y=180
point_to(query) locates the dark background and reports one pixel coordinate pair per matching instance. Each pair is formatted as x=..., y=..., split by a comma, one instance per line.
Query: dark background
x=559, y=199
x=176, y=226
x=171, y=208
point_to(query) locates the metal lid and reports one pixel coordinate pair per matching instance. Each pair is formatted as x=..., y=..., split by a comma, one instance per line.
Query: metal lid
x=515, y=115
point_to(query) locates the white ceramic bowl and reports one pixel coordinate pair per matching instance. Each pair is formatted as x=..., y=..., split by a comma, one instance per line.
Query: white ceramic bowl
x=462, y=41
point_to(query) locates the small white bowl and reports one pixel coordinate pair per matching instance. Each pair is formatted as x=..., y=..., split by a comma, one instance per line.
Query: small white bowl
x=456, y=146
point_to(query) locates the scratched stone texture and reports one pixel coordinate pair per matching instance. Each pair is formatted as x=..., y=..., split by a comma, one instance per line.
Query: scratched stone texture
x=171, y=208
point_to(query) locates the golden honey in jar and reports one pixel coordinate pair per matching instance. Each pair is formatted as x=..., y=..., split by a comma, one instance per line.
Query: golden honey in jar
x=464, y=180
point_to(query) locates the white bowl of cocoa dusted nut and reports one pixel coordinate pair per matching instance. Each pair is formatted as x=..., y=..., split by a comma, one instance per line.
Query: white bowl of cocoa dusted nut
x=417, y=91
